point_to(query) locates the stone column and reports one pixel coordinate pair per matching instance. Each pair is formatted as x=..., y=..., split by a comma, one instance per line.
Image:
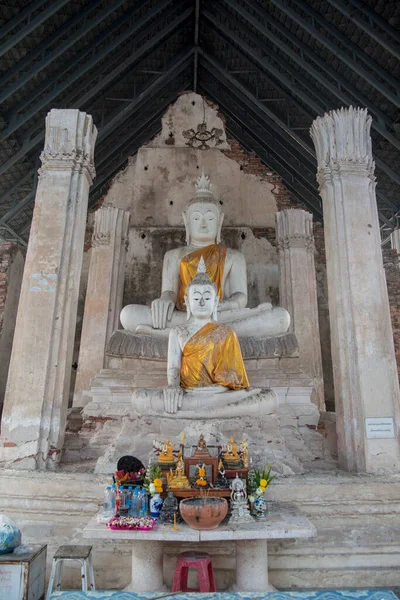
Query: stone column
x=365, y=373
x=36, y=397
x=105, y=288
x=395, y=241
x=298, y=290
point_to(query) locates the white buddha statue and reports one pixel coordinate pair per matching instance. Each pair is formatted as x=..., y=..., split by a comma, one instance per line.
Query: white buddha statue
x=206, y=374
x=227, y=269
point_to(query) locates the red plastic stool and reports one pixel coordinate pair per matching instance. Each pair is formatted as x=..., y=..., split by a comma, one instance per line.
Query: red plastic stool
x=196, y=560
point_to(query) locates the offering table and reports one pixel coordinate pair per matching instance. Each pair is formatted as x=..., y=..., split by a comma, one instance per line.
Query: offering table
x=283, y=522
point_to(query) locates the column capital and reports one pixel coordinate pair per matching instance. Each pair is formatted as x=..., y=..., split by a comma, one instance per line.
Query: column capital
x=105, y=223
x=69, y=142
x=294, y=229
x=343, y=143
x=395, y=240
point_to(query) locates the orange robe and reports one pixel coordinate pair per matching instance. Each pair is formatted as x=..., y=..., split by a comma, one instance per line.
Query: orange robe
x=214, y=257
x=213, y=356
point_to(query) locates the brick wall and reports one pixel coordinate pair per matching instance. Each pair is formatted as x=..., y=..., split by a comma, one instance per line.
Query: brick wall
x=11, y=270
x=392, y=271
x=7, y=251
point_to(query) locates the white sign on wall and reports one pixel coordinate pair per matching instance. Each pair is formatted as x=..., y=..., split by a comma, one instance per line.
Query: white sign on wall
x=379, y=427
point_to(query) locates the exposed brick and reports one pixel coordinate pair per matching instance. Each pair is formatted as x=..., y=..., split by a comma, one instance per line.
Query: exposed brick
x=392, y=271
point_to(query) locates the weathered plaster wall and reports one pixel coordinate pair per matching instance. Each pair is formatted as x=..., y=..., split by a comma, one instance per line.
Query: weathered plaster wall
x=12, y=260
x=147, y=247
x=156, y=186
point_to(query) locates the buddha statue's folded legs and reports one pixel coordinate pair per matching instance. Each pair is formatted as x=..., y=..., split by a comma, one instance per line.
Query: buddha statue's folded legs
x=264, y=321
x=200, y=404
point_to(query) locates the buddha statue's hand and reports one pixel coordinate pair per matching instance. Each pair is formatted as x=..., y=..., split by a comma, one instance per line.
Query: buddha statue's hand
x=161, y=312
x=173, y=397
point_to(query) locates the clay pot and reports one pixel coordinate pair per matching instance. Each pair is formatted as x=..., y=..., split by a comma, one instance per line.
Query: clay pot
x=203, y=512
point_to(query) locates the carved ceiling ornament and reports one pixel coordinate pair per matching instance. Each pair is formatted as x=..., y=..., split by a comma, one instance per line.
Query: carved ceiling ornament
x=198, y=138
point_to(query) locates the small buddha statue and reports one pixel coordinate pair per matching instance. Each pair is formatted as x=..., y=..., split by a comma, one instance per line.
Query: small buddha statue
x=226, y=268
x=177, y=480
x=245, y=454
x=170, y=510
x=201, y=444
x=166, y=454
x=239, y=506
x=201, y=450
x=221, y=481
x=231, y=455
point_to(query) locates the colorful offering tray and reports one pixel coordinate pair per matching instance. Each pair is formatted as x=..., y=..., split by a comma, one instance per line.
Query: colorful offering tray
x=131, y=523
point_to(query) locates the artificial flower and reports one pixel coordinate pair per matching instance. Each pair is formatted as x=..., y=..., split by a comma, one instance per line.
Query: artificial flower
x=201, y=482
x=159, y=489
x=152, y=488
x=157, y=482
x=263, y=483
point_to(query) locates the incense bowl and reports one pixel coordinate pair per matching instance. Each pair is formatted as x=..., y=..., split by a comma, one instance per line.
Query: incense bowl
x=203, y=513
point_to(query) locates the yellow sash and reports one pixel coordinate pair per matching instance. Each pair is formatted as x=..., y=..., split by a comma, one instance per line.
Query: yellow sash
x=213, y=356
x=214, y=257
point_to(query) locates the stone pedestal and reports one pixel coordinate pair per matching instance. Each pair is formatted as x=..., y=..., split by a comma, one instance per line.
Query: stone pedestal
x=104, y=294
x=365, y=373
x=36, y=397
x=252, y=567
x=298, y=290
x=147, y=567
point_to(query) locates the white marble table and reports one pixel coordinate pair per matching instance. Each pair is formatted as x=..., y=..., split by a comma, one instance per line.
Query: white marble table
x=283, y=522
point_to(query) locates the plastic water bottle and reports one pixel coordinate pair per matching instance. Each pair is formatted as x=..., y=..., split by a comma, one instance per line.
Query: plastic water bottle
x=135, y=502
x=124, y=508
x=143, y=502
x=129, y=499
x=113, y=497
x=107, y=511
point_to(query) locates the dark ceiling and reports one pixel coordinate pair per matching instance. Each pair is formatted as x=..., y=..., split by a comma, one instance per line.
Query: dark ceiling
x=272, y=66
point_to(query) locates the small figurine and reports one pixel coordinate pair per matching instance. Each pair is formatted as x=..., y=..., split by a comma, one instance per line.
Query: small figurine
x=170, y=512
x=240, y=511
x=245, y=454
x=201, y=450
x=231, y=455
x=201, y=444
x=221, y=481
x=178, y=480
x=165, y=454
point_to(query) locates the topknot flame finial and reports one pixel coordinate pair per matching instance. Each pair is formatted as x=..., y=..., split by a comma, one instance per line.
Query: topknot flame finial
x=201, y=269
x=203, y=186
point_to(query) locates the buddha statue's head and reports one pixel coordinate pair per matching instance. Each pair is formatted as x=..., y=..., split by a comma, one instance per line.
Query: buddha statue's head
x=203, y=217
x=201, y=295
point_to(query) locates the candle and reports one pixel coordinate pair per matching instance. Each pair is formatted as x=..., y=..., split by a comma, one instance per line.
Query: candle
x=175, y=527
x=183, y=438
